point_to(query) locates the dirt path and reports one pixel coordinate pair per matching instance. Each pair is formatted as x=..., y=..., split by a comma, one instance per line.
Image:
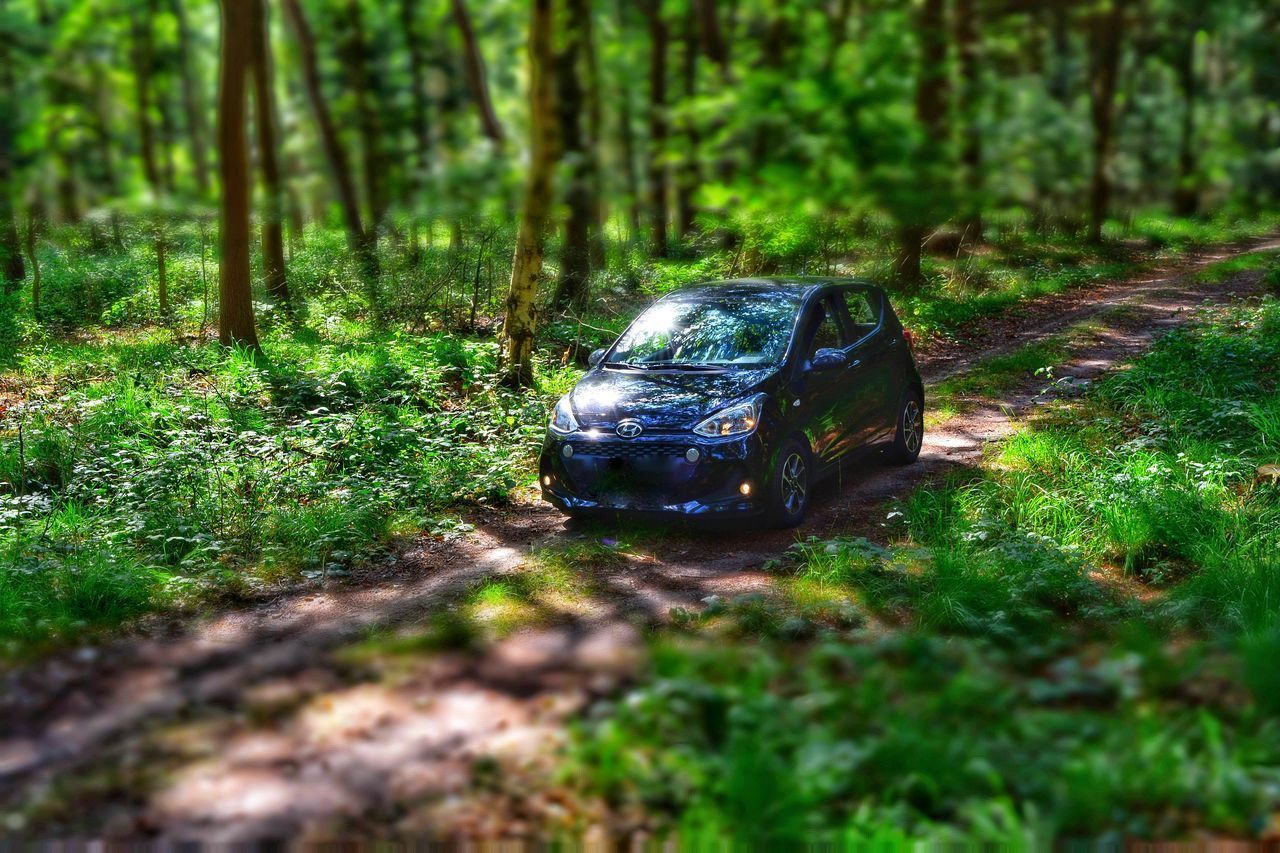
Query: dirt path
x=258, y=724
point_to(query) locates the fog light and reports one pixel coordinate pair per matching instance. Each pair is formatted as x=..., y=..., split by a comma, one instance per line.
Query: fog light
x=692, y=454
x=567, y=451
x=745, y=488
x=546, y=480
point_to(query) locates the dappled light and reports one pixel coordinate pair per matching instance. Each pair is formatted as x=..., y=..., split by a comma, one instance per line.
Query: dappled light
x=639, y=424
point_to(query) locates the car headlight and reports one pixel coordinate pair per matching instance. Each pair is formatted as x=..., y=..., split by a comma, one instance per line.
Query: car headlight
x=562, y=419
x=738, y=419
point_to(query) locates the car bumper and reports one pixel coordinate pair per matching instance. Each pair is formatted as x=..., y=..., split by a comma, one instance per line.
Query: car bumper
x=653, y=474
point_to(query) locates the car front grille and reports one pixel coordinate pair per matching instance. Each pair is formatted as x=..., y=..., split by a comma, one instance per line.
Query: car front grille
x=629, y=449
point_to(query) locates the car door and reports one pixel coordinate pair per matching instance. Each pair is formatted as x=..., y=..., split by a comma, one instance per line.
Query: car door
x=872, y=400
x=820, y=394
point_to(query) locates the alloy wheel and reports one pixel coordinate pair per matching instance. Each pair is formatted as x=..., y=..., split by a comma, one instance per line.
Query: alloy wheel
x=912, y=426
x=794, y=483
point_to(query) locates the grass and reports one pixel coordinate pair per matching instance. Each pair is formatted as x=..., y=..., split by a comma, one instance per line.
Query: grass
x=196, y=472
x=1076, y=641
x=142, y=460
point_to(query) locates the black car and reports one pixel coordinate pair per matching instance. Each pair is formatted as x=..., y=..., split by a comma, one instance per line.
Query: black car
x=734, y=398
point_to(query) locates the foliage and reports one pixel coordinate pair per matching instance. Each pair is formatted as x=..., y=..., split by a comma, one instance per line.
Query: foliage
x=1002, y=671
x=158, y=458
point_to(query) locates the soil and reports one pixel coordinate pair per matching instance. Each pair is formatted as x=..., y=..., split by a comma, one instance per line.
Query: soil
x=260, y=723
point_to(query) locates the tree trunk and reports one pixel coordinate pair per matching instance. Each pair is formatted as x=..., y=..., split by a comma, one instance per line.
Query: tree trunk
x=526, y=269
x=931, y=113
x=595, y=134
x=476, y=80
x=627, y=146
x=236, y=325
x=713, y=41
x=33, y=225
x=907, y=263
x=355, y=56
x=575, y=261
x=657, y=127
x=627, y=143
x=417, y=84
x=192, y=99
x=362, y=243
x=142, y=62
x=273, y=268
x=162, y=266
x=969, y=50
x=690, y=176
x=12, y=268
x=1186, y=196
x=1108, y=38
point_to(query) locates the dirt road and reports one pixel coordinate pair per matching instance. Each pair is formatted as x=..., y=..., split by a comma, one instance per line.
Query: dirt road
x=260, y=723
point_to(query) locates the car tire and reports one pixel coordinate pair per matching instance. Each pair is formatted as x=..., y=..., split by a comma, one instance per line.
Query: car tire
x=790, y=484
x=908, y=435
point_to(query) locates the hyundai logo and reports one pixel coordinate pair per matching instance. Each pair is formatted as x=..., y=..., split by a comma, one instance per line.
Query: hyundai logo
x=629, y=428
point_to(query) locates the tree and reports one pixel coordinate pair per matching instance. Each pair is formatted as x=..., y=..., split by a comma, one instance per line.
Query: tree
x=417, y=87
x=355, y=58
x=969, y=52
x=363, y=242
x=273, y=269
x=690, y=175
x=477, y=82
x=1108, y=39
x=520, y=322
x=143, y=67
x=575, y=259
x=931, y=114
x=657, y=168
x=12, y=268
x=236, y=325
x=192, y=98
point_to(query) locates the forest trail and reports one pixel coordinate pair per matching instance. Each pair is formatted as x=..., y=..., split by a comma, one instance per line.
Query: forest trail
x=256, y=723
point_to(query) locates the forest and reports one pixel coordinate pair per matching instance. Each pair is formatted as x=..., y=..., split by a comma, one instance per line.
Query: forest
x=290, y=289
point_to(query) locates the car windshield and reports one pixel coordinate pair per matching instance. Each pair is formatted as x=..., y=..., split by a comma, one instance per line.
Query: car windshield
x=710, y=332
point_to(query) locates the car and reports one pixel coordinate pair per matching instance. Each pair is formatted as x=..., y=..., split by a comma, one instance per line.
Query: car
x=733, y=398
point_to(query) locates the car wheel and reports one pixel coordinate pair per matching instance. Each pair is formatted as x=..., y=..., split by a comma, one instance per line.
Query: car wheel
x=791, y=484
x=908, y=438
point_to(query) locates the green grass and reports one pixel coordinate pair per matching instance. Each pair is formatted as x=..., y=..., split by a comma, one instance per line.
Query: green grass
x=182, y=460
x=145, y=446
x=1077, y=640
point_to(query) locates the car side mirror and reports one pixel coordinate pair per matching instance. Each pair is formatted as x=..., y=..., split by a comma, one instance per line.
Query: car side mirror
x=827, y=359
x=596, y=357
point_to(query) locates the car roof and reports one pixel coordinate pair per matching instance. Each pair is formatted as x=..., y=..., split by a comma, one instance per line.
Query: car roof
x=800, y=286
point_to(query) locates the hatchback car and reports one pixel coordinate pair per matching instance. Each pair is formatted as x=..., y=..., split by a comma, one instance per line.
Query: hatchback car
x=734, y=398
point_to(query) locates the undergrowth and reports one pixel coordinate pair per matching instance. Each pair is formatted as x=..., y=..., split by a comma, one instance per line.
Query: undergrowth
x=1076, y=641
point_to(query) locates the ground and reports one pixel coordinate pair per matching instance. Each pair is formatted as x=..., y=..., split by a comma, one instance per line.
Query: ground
x=281, y=719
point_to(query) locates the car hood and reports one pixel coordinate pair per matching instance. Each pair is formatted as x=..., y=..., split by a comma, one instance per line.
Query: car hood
x=659, y=399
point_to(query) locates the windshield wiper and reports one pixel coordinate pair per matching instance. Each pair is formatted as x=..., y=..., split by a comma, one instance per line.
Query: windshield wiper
x=683, y=365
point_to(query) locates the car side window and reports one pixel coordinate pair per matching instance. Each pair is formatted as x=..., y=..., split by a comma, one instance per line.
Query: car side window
x=827, y=333
x=864, y=313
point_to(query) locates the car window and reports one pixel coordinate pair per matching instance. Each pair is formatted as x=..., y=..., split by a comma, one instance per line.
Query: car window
x=827, y=334
x=864, y=314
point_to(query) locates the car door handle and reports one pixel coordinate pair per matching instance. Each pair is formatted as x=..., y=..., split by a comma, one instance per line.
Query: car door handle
x=857, y=362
